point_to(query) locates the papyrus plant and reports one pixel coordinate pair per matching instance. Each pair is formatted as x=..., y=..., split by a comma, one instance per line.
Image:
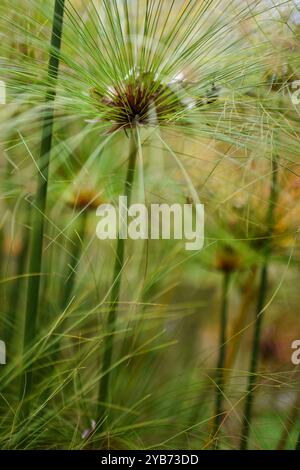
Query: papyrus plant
x=173, y=68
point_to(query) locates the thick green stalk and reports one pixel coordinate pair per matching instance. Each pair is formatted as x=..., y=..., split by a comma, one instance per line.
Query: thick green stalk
x=115, y=296
x=40, y=199
x=222, y=354
x=259, y=311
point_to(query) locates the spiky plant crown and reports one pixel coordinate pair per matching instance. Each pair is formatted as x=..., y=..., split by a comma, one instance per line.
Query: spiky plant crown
x=172, y=62
x=145, y=100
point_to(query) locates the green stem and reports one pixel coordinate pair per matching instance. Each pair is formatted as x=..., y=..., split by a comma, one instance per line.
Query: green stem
x=40, y=199
x=259, y=311
x=222, y=355
x=68, y=286
x=115, y=296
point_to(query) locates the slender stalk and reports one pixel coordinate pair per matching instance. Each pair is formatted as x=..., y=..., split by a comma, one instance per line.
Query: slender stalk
x=254, y=357
x=35, y=264
x=102, y=412
x=222, y=355
x=259, y=311
x=68, y=287
x=240, y=322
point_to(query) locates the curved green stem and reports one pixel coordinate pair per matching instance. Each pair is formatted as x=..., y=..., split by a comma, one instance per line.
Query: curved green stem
x=35, y=264
x=103, y=395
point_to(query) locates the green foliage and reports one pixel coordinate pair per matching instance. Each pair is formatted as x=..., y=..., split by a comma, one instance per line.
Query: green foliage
x=206, y=89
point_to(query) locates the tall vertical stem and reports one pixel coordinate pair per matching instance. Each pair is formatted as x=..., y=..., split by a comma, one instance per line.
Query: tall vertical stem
x=41, y=198
x=222, y=354
x=260, y=309
x=115, y=294
x=76, y=249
